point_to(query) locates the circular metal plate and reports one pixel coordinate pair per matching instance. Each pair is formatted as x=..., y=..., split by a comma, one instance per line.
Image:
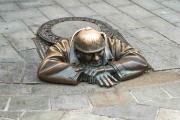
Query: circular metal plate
x=46, y=31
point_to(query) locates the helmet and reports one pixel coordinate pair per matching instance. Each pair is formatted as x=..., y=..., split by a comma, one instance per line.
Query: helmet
x=88, y=40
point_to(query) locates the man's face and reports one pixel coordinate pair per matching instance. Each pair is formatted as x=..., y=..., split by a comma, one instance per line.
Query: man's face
x=91, y=59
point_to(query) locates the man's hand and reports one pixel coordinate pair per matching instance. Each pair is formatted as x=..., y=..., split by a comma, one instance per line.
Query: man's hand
x=106, y=80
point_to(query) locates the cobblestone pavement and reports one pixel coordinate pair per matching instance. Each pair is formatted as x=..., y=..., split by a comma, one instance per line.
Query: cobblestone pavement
x=152, y=26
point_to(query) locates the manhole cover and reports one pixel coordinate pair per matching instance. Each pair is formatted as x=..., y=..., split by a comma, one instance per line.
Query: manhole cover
x=58, y=29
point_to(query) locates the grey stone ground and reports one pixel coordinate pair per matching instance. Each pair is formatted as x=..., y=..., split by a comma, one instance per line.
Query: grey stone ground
x=152, y=26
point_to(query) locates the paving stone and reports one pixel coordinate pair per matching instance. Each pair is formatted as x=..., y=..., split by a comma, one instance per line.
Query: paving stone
x=158, y=43
x=125, y=22
x=8, y=54
x=70, y=102
x=149, y=4
x=11, y=27
x=20, y=103
x=3, y=101
x=30, y=73
x=168, y=114
x=139, y=45
x=168, y=14
x=82, y=11
x=31, y=56
x=42, y=115
x=7, y=115
x=163, y=27
x=99, y=8
x=150, y=79
x=111, y=98
x=81, y=116
x=149, y=93
x=173, y=103
x=14, y=89
x=54, y=11
x=8, y=7
x=21, y=40
x=3, y=41
x=69, y=3
x=177, y=24
x=124, y=33
x=115, y=27
x=35, y=23
x=35, y=3
x=117, y=3
x=173, y=4
x=1, y=20
x=21, y=14
x=130, y=111
x=86, y=2
x=57, y=89
x=173, y=89
x=135, y=11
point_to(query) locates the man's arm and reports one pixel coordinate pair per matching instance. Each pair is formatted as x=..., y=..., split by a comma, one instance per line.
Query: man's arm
x=55, y=68
x=128, y=62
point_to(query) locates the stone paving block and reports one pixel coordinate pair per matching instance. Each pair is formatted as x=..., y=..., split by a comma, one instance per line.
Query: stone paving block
x=82, y=116
x=168, y=114
x=8, y=54
x=6, y=115
x=20, y=103
x=35, y=23
x=150, y=79
x=86, y=2
x=111, y=98
x=149, y=93
x=1, y=20
x=54, y=11
x=173, y=89
x=149, y=4
x=21, y=40
x=173, y=4
x=168, y=14
x=11, y=27
x=173, y=103
x=117, y=3
x=177, y=24
x=30, y=73
x=3, y=101
x=130, y=111
x=8, y=7
x=125, y=22
x=136, y=11
x=124, y=33
x=104, y=9
x=105, y=20
x=57, y=89
x=139, y=45
x=70, y=102
x=21, y=14
x=163, y=27
x=82, y=11
x=30, y=56
x=69, y=3
x=14, y=89
x=35, y=3
x=42, y=115
x=3, y=41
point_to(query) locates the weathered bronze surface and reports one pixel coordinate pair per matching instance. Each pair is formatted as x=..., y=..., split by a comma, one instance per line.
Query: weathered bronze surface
x=92, y=57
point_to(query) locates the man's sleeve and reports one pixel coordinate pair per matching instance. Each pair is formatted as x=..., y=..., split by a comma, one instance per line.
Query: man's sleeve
x=55, y=67
x=128, y=62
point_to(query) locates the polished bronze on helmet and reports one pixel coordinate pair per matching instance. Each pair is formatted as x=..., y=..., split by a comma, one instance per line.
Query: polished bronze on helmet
x=89, y=40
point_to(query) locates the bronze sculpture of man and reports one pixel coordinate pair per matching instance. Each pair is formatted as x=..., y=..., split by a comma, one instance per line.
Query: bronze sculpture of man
x=93, y=57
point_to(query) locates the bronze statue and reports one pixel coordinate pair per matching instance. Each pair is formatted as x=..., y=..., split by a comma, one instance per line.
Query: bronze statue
x=92, y=57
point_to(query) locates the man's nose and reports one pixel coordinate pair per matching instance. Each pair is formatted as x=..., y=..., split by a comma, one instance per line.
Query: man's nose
x=96, y=57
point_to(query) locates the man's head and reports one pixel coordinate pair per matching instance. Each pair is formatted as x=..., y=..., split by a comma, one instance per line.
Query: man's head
x=89, y=46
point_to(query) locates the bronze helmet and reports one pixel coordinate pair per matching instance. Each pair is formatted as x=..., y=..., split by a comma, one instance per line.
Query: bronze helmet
x=89, y=40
